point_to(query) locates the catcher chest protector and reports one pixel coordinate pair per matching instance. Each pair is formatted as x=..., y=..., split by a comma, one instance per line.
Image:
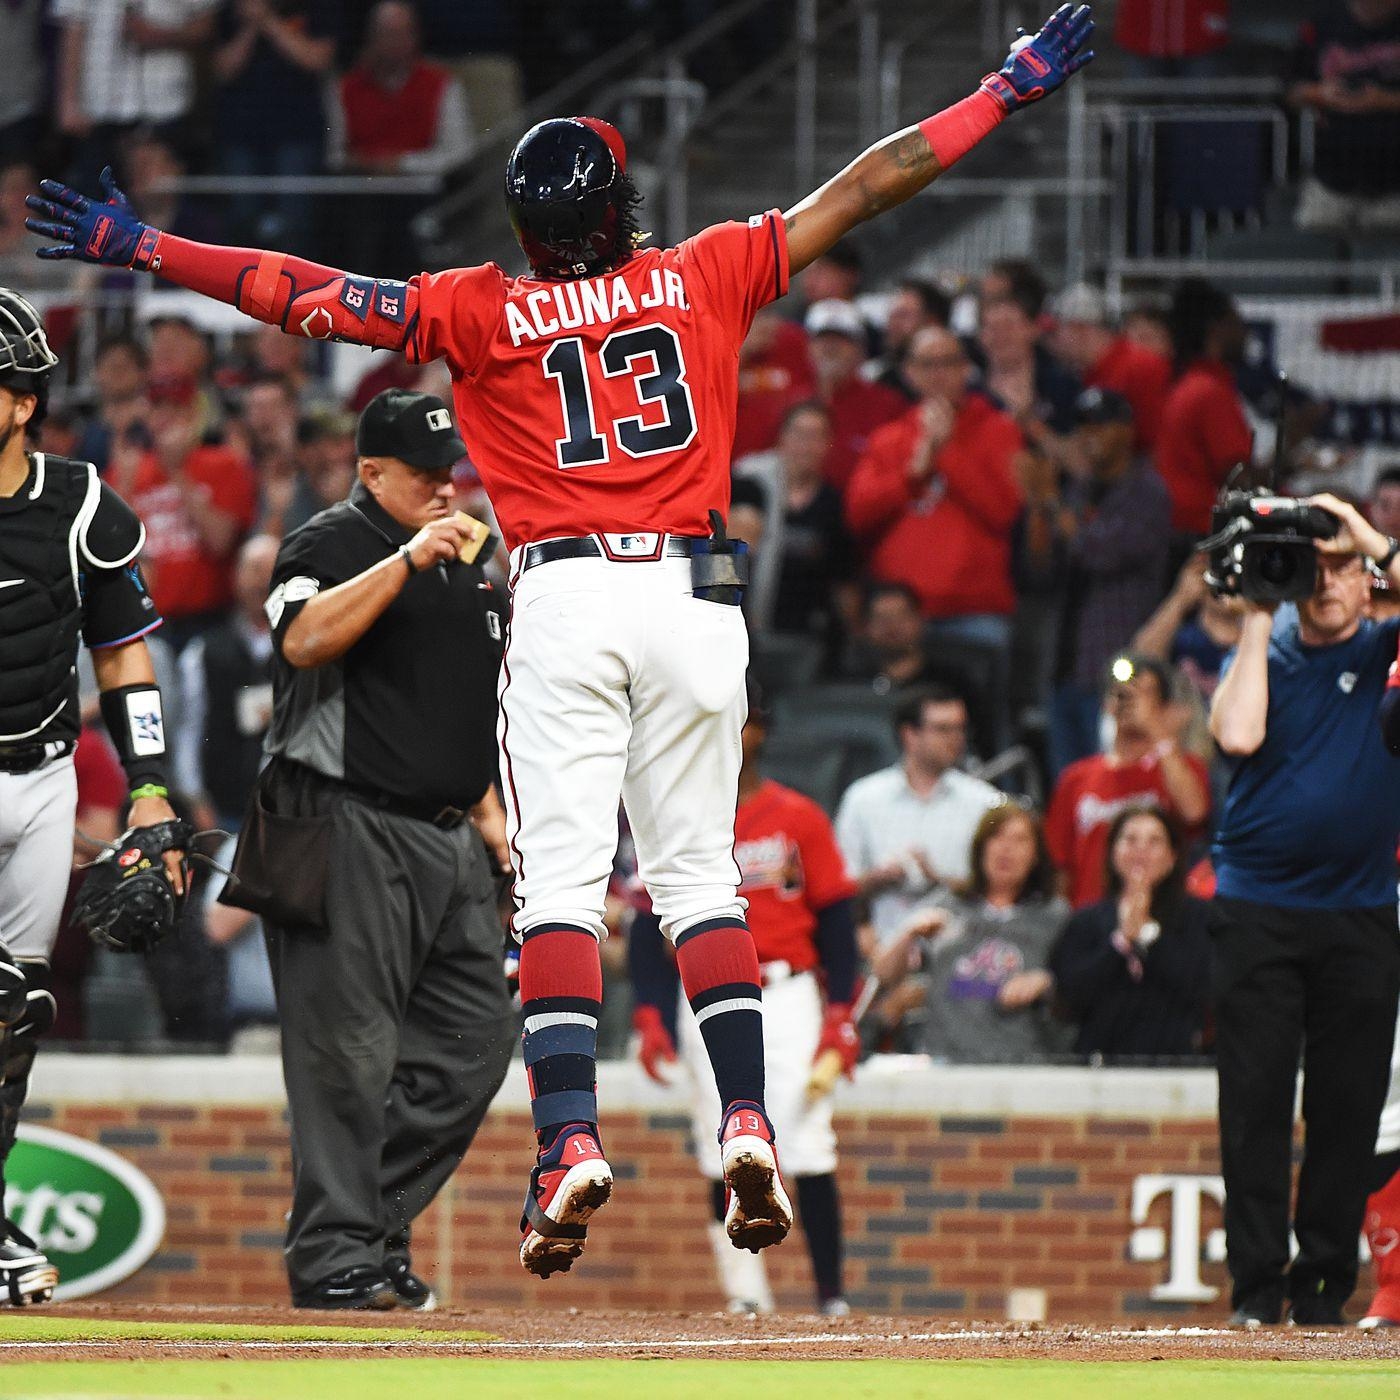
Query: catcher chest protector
x=40, y=620
x=565, y=194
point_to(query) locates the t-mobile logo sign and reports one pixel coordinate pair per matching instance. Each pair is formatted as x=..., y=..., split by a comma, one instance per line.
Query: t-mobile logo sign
x=1181, y=1244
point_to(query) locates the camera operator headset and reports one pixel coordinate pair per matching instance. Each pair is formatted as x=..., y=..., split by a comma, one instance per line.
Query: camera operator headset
x=1304, y=920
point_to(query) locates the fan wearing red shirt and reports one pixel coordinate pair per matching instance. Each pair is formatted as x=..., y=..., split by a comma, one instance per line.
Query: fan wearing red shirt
x=1144, y=765
x=1104, y=358
x=800, y=911
x=597, y=398
x=1204, y=432
x=197, y=503
x=935, y=496
x=399, y=112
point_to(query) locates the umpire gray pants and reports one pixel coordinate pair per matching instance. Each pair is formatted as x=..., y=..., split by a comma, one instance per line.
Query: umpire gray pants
x=397, y=1029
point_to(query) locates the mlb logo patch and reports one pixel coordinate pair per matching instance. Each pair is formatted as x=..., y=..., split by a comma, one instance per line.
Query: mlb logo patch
x=146, y=723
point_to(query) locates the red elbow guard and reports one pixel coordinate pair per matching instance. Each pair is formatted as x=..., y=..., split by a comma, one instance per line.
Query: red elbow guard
x=953, y=132
x=303, y=298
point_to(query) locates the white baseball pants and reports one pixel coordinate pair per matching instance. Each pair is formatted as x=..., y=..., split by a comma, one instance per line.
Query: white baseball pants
x=617, y=682
x=37, y=811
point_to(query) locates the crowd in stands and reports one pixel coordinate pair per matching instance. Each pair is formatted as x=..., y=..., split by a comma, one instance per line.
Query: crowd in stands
x=972, y=507
x=975, y=605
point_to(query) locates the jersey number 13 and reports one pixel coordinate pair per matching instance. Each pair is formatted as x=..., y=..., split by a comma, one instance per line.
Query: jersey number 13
x=651, y=355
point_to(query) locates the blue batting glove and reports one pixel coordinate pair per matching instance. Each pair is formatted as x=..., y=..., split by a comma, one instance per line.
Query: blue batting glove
x=107, y=232
x=1039, y=63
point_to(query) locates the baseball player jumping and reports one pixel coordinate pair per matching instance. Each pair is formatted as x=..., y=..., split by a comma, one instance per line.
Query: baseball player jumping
x=597, y=397
x=68, y=572
x=799, y=909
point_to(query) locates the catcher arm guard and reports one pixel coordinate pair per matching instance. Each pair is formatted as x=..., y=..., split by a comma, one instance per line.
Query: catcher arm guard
x=126, y=902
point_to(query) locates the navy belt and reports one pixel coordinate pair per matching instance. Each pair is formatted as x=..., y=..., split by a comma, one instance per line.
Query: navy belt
x=586, y=547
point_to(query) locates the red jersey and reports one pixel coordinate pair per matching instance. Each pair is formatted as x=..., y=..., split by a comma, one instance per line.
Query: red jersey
x=859, y=409
x=1204, y=433
x=185, y=577
x=605, y=404
x=1143, y=377
x=382, y=123
x=770, y=384
x=1088, y=796
x=791, y=870
x=1172, y=28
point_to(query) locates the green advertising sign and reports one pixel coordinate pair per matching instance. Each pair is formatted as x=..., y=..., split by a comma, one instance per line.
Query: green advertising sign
x=95, y=1215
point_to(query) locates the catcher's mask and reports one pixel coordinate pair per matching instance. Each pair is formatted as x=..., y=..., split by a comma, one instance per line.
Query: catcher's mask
x=25, y=358
x=570, y=201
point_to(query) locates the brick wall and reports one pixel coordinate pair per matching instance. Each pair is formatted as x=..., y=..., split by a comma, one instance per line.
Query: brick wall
x=946, y=1210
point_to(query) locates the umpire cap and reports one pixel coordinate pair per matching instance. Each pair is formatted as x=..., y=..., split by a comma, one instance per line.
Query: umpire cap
x=415, y=428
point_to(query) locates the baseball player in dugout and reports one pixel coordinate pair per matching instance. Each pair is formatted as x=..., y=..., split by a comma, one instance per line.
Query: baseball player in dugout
x=68, y=574
x=597, y=394
x=365, y=852
x=801, y=916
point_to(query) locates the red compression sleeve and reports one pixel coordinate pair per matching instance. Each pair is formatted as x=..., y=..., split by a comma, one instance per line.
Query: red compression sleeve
x=303, y=298
x=953, y=132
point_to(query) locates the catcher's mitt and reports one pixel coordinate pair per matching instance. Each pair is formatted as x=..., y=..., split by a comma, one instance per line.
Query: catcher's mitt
x=126, y=901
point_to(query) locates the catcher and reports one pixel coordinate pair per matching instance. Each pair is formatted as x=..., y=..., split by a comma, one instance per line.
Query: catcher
x=68, y=573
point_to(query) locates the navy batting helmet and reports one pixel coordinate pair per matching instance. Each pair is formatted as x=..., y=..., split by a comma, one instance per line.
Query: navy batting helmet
x=569, y=197
x=25, y=357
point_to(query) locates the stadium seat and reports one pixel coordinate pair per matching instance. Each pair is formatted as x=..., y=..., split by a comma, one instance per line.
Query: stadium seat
x=1213, y=167
x=780, y=661
x=833, y=698
x=814, y=770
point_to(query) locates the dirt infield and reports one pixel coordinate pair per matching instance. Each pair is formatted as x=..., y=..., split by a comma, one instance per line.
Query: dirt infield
x=694, y=1335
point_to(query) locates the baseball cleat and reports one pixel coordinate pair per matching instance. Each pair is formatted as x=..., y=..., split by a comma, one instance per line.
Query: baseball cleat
x=26, y=1275
x=570, y=1182
x=757, y=1210
x=1375, y=1322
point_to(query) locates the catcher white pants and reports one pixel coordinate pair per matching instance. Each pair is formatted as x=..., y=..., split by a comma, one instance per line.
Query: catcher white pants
x=37, y=812
x=617, y=682
x=792, y=1024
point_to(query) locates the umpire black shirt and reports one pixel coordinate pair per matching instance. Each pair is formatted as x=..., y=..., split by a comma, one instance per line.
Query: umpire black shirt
x=410, y=709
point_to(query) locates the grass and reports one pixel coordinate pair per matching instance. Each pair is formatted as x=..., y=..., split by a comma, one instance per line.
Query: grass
x=442, y=1378
x=69, y=1329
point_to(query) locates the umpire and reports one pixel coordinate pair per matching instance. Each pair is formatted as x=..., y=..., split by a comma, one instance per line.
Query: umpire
x=364, y=853
x=1304, y=923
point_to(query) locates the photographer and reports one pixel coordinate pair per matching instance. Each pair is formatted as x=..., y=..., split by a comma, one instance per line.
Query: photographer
x=1304, y=923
